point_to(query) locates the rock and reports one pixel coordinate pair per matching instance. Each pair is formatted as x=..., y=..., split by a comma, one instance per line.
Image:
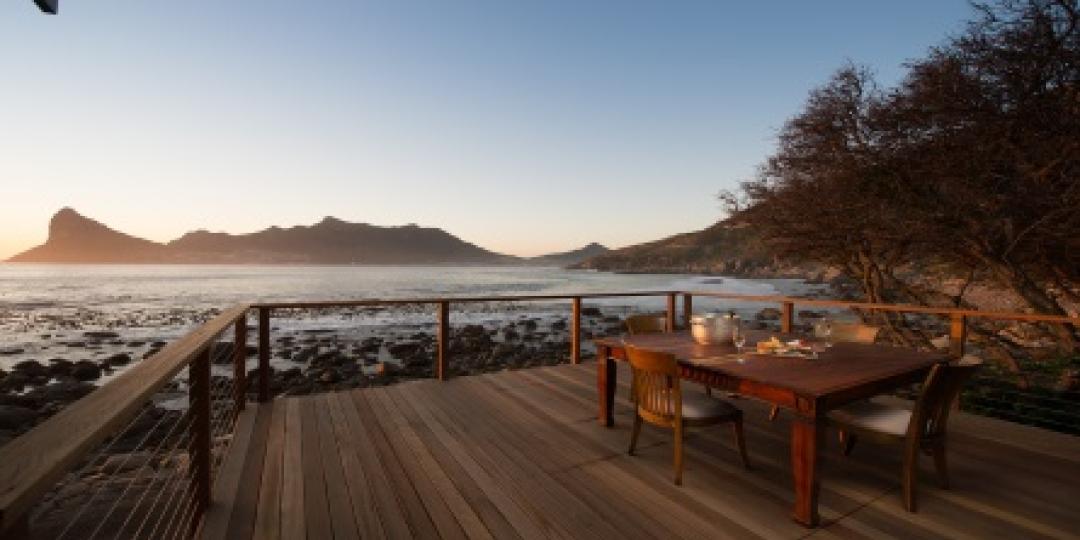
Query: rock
x=768, y=314
x=531, y=325
x=590, y=312
x=15, y=417
x=329, y=376
x=101, y=335
x=121, y=463
x=10, y=351
x=15, y=381
x=291, y=373
x=1069, y=381
x=64, y=391
x=305, y=355
x=404, y=349
x=85, y=370
x=559, y=325
x=121, y=359
x=59, y=367
x=31, y=368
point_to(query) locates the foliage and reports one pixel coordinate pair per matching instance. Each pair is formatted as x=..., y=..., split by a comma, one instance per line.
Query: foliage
x=969, y=168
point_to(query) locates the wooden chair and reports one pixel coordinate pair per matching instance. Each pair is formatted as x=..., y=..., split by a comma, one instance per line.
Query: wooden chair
x=854, y=332
x=922, y=428
x=646, y=324
x=843, y=333
x=659, y=400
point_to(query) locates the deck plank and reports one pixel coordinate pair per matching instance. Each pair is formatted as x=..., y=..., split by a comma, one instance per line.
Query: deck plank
x=228, y=480
x=245, y=507
x=268, y=516
x=292, y=474
x=519, y=464
x=337, y=491
x=316, y=506
x=452, y=514
x=493, y=520
x=518, y=454
x=651, y=470
x=518, y=513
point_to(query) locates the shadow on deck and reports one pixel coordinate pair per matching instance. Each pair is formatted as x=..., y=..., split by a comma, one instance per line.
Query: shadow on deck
x=520, y=454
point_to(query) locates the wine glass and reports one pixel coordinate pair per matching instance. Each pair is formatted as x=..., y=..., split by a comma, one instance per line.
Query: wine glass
x=826, y=333
x=738, y=337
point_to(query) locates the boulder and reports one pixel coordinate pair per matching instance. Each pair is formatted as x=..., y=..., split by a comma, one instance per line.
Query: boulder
x=59, y=367
x=85, y=370
x=121, y=463
x=121, y=359
x=64, y=391
x=101, y=334
x=31, y=368
x=15, y=417
x=15, y=381
x=404, y=349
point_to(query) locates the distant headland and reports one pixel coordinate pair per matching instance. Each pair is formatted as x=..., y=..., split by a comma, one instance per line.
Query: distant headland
x=74, y=238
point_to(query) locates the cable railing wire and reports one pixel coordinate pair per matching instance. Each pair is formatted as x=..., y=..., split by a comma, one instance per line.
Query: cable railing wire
x=224, y=413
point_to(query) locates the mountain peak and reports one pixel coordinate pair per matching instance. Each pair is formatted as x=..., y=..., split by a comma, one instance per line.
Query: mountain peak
x=74, y=238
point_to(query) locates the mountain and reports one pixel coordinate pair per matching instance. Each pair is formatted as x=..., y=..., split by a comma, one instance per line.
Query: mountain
x=77, y=239
x=724, y=248
x=568, y=258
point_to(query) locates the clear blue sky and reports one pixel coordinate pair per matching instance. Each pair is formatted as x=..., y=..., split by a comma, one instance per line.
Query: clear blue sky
x=524, y=127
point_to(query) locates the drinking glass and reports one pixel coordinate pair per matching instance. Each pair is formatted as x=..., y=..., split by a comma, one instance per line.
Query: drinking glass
x=825, y=332
x=739, y=338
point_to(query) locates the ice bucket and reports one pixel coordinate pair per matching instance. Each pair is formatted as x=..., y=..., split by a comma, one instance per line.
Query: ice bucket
x=714, y=327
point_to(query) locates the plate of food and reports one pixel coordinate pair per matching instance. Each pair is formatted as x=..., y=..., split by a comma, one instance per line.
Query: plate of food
x=794, y=348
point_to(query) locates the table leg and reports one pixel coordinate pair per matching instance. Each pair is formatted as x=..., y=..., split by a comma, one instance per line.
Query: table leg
x=605, y=385
x=806, y=434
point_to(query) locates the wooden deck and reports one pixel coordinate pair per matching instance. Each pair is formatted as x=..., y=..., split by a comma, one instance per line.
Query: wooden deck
x=520, y=454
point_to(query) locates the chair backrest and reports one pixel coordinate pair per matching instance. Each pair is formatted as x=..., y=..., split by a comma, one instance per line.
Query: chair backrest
x=646, y=324
x=854, y=332
x=657, y=393
x=939, y=391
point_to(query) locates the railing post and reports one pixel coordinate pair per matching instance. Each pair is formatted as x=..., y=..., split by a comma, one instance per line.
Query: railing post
x=575, y=331
x=264, y=354
x=240, y=363
x=443, y=361
x=787, y=317
x=671, y=312
x=957, y=335
x=687, y=308
x=199, y=436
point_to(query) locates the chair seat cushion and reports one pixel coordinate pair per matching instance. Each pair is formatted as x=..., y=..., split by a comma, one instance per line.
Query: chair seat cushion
x=697, y=406
x=872, y=416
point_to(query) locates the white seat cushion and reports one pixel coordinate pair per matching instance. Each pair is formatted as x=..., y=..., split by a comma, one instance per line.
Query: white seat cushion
x=697, y=406
x=873, y=417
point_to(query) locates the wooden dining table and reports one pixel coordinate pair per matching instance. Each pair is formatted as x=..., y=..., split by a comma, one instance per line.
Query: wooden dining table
x=807, y=387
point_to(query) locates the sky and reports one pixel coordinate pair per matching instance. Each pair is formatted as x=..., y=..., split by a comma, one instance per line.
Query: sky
x=523, y=127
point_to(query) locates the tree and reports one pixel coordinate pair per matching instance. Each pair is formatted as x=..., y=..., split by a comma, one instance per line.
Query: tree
x=967, y=169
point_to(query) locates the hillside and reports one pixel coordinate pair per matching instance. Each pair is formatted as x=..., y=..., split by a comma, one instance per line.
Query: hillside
x=77, y=239
x=723, y=248
x=74, y=238
x=568, y=258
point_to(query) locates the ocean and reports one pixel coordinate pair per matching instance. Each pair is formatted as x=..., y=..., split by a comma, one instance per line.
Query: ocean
x=45, y=310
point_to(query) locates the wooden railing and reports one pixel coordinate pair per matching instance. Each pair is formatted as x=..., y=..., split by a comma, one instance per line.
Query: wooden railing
x=33, y=463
